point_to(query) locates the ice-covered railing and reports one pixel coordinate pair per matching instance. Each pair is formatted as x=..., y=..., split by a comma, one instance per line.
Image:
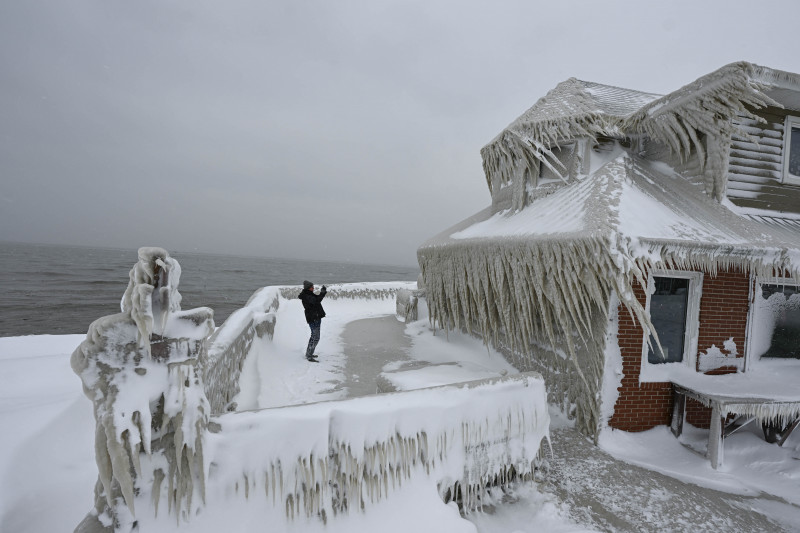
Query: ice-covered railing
x=231, y=343
x=356, y=291
x=320, y=460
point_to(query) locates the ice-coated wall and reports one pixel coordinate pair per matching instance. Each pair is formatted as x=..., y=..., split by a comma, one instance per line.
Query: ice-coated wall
x=325, y=459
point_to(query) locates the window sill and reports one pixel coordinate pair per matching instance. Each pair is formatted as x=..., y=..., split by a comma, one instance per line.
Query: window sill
x=663, y=372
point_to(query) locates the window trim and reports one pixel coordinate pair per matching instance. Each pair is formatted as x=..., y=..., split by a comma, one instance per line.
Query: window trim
x=659, y=372
x=788, y=123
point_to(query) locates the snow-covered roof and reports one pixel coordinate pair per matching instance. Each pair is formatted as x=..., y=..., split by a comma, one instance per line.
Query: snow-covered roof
x=654, y=212
x=577, y=109
x=571, y=110
x=579, y=99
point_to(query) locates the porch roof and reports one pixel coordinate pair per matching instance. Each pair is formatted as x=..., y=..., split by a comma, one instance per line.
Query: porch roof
x=642, y=211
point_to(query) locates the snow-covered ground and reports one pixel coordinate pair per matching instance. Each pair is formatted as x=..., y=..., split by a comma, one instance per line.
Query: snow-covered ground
x=48, y=469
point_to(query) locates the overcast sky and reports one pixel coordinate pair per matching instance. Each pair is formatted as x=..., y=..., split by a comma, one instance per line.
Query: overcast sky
x=331, y=130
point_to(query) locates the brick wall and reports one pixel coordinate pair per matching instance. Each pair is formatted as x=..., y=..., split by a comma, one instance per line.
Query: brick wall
x=723, y=314
x=723, y=310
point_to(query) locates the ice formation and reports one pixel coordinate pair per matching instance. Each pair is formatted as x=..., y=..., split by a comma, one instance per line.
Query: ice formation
x=767, y=411
x=357, y=291
x=701, y=115
x=141, y=370
x=714, y=358
x=407, y=302
x=696, y=120
x=571, y=111
x=338, y=457
x=512, y=295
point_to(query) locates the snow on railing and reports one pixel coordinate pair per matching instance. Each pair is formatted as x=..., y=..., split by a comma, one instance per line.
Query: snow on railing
x=376, y=290
x=329, y=458
x=229, y=346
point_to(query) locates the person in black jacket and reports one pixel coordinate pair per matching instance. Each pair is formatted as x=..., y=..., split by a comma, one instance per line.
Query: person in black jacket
x=312, y=303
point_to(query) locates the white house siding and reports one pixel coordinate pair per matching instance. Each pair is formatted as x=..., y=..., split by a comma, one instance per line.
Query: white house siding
x=755, y=167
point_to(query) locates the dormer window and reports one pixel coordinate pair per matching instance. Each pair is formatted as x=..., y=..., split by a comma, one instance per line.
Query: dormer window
x=791, y=150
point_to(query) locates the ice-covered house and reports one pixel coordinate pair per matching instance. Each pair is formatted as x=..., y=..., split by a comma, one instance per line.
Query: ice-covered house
x=616, y=213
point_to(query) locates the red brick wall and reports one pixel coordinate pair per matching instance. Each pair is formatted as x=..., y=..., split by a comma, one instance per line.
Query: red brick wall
x=723, y=310
x=723, y=314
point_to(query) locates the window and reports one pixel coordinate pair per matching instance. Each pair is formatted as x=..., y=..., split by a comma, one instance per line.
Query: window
x=673, y=303
x=775, y=321
x=791, y=150
x=668, y=306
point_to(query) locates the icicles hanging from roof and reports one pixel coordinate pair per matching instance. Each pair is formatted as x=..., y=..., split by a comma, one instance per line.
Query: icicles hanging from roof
x=681, y=256
x=512, y=153
x=513, y=293
x=700, y=116
x=566, y=113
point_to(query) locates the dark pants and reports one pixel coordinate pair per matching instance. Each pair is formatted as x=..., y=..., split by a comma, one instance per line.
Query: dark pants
x=312, y=342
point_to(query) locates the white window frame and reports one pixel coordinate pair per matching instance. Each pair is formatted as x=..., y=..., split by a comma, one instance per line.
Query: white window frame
x=750, y=359
x=791, y=121
x=661, y=372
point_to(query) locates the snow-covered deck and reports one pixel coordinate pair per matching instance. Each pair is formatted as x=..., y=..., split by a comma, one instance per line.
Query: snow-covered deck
x=776, y=379
x=767, y=392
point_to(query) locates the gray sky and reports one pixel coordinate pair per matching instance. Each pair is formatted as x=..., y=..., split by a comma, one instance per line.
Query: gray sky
x=333, y=130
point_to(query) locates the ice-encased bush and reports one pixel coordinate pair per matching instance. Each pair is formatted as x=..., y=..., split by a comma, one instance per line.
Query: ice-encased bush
x=141, y=369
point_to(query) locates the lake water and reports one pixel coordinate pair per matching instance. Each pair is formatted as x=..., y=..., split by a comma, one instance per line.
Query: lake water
x=47, y=289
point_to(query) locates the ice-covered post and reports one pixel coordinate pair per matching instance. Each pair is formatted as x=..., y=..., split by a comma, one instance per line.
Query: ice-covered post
x=142, y=370
x=406, y=304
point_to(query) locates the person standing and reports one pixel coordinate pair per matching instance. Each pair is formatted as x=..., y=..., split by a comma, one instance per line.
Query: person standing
x=312, y=303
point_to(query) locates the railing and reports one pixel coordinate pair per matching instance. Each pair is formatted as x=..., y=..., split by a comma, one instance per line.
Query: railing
x=329, y=458
x=231, y=343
